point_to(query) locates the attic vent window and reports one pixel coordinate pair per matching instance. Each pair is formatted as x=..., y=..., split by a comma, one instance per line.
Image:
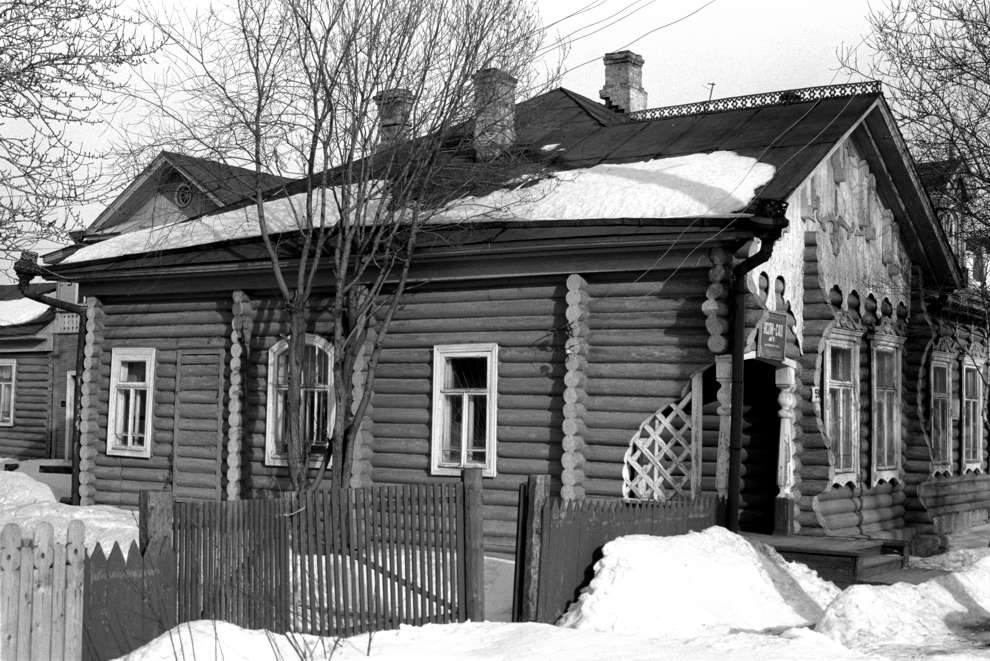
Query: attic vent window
x=183, y=196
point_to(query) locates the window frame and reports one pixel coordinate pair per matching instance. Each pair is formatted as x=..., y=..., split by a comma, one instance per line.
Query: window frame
x=119, y=355
x=850, y=340
x=272, y=456
x=12, y=363
x=967, y=463
x=944, y=360
x=441, y=354
x=887, y=344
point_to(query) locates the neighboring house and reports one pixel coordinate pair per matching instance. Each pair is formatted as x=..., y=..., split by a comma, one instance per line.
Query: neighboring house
x=37, y=365
x=588, y=326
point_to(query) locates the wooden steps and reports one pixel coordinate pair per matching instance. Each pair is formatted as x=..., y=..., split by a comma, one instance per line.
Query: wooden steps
x=842, y=560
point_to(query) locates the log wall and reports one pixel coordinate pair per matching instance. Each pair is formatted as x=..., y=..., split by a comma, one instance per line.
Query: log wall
x=31, y=433
x=527, y=320
x=172, y=328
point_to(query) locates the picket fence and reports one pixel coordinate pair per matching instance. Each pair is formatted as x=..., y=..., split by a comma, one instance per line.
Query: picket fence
x=41, y=586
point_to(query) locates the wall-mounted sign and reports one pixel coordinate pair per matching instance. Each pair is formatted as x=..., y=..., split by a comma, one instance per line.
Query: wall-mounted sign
x=772, y=337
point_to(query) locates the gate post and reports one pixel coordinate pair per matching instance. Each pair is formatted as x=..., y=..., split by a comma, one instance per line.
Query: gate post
x=474, y=545
x=157, y=513
x=533, y=496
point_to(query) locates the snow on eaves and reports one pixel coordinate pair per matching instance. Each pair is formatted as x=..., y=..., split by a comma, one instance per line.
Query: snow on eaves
x=20, y=311
x=717, y=184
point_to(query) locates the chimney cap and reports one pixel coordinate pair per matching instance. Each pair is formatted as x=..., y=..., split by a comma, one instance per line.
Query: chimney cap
x=623, y=56
x=493, y=75
x=393, y=95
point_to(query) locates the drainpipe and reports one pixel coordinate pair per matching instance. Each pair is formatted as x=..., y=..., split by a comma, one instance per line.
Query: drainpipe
x=739, y=272
x=27, y=268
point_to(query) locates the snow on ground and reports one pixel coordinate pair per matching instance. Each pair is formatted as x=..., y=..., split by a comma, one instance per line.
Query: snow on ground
x=954, y=560
x=27, y=503
x=717, y=184
x=20, y=311
x=484, y=641
x=735, y=585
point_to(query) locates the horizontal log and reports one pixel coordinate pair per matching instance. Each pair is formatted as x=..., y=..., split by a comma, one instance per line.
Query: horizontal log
x=211, y=318
x=194, y=335
x=454, y=322
x=664, y=392
x=684, y=336
x=144, y=476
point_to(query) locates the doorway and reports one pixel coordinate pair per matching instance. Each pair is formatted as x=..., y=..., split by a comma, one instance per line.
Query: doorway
x=760, y=448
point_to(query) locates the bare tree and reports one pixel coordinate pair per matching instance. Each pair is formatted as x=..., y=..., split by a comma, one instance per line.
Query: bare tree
x=58, y=58
x=369, y=103
x=933, y=57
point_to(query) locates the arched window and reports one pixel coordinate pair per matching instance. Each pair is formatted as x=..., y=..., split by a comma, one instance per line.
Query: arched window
x=316, y=408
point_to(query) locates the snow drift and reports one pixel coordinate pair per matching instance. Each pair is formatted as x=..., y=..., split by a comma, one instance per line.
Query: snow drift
x=697, y=584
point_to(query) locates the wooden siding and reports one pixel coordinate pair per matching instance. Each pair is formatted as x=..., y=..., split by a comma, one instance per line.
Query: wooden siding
x=30, y=435
x=526, y=319
x=171, y=328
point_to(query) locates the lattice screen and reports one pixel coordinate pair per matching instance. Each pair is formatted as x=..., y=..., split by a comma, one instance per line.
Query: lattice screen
x=664, y=456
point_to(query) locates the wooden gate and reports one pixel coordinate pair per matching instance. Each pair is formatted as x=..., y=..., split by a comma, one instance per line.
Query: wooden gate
x=560, y=541
x=198, y=427
x=129, y=599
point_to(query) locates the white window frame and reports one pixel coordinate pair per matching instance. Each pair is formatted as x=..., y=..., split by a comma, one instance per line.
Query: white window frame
x=941, y=360
x=969, y=463
x=117, y=356
x=9, y=389
x=272, y=455
x=850, y=340
x=880, y=470
x=441, y=354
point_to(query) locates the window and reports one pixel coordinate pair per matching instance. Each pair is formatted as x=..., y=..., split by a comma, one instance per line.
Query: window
x=464, y=408
x=972, y=417
x=316, y=406
x=132, y=392
x=842, y=405
x=8, y=376
x=941, y=391
x=886, y=376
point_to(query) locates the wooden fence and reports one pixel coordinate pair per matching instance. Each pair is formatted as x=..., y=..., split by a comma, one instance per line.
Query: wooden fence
x=41, y=583
x=560, y=541
x=335, y=563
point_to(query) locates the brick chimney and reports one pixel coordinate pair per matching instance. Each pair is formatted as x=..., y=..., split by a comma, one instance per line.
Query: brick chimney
x=623, y=89
x=495, y=108
x=394, y=107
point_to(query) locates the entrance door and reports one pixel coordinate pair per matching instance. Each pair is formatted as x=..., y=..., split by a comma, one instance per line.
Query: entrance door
x=198, y=428
x=760, y=448
x=70, y=412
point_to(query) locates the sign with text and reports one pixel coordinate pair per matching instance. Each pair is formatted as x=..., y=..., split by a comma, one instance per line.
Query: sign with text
x=772, y=337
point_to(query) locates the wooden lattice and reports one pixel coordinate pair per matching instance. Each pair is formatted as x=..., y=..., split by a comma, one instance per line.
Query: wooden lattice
x=664, y=456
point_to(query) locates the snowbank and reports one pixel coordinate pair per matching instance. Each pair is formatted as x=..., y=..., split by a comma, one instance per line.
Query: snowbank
x=20, y=311
x=27, y=503
x=723, y=583
x=954, y=606
x=696, y=185
x=484, y=641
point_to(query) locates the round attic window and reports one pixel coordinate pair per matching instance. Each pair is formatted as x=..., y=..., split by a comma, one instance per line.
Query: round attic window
x=183, y=196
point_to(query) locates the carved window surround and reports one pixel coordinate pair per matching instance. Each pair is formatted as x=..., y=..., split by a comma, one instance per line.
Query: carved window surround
x=940, y=391
x=840, y=403
x=885, y=386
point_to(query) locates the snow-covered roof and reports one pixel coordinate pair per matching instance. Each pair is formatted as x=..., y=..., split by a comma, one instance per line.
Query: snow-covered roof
x=20, y=311
x=718, y=184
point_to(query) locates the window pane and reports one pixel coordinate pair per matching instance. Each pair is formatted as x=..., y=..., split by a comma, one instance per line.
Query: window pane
x=940, y=414
x=892, y=449
x=940, y=379
x=478, y=404
x=132, y=371
x=140, y=413
x=453, y=416
x=6, y=373
x=971, y=386
x=885, y=369
x=467, y=373
x=316, y=367
x=282, y=369
x=123, y=415
x=841, y=364
x=6, y=403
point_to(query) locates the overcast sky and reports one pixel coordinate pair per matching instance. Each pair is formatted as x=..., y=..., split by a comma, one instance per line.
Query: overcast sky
x=743, y=46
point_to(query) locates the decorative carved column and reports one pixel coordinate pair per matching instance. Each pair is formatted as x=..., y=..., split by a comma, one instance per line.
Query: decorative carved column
x=787, y=399
x=723, y=374
x=89, y=421
x=575, y=395
x=240, y=350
